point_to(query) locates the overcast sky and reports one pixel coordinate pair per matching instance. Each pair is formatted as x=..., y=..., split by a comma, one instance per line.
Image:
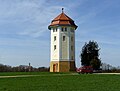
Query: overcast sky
x=24, y=34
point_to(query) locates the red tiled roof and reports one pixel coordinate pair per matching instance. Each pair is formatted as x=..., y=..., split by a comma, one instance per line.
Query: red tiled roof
x=62, y=19
x=62, y=16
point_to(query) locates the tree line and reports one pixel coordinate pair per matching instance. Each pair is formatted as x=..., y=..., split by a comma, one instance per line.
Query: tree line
x=22, y=68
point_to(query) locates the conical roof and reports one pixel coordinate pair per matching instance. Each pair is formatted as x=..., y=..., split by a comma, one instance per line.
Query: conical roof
x=62, y=20
x=62, y=16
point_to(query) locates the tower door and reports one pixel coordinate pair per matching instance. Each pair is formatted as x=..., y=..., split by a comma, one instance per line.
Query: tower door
x=55, y=67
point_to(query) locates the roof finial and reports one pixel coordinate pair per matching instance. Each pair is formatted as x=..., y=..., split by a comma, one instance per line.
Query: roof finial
x=62, y=10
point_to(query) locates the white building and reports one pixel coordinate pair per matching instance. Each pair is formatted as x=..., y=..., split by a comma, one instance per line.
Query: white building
x=62, y=44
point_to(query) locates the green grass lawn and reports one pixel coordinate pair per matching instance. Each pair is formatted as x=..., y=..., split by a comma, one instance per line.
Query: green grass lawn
x=61, y=82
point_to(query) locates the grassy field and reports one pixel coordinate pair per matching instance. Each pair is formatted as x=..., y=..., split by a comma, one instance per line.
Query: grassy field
x=60, y=82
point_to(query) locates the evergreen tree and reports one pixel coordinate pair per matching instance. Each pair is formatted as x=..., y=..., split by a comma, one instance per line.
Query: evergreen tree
x=90, y=55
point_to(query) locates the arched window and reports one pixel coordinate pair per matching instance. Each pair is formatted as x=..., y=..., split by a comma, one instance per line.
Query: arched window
x=54, y=38
x=54, y=47
x=62, y=29
x=72, y=38
x=63, y=38
x=65, y=29
x=71, y=48
x=56, y=29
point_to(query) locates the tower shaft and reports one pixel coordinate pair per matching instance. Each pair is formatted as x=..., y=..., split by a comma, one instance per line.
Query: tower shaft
x=62, y=44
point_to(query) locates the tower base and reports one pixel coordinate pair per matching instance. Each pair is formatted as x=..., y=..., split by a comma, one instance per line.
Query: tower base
x=62, y=66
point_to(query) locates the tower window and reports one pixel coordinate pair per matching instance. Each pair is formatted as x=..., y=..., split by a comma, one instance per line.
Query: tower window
x=62, y=29
x=53, y=30
x=65, y=29
x=56, y=29
x=72, y=48
x=54, y=47
x=63, y=38
x=71, y=38
x=54, y=38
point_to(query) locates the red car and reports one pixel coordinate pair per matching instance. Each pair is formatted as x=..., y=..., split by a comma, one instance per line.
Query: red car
x=85, y=69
